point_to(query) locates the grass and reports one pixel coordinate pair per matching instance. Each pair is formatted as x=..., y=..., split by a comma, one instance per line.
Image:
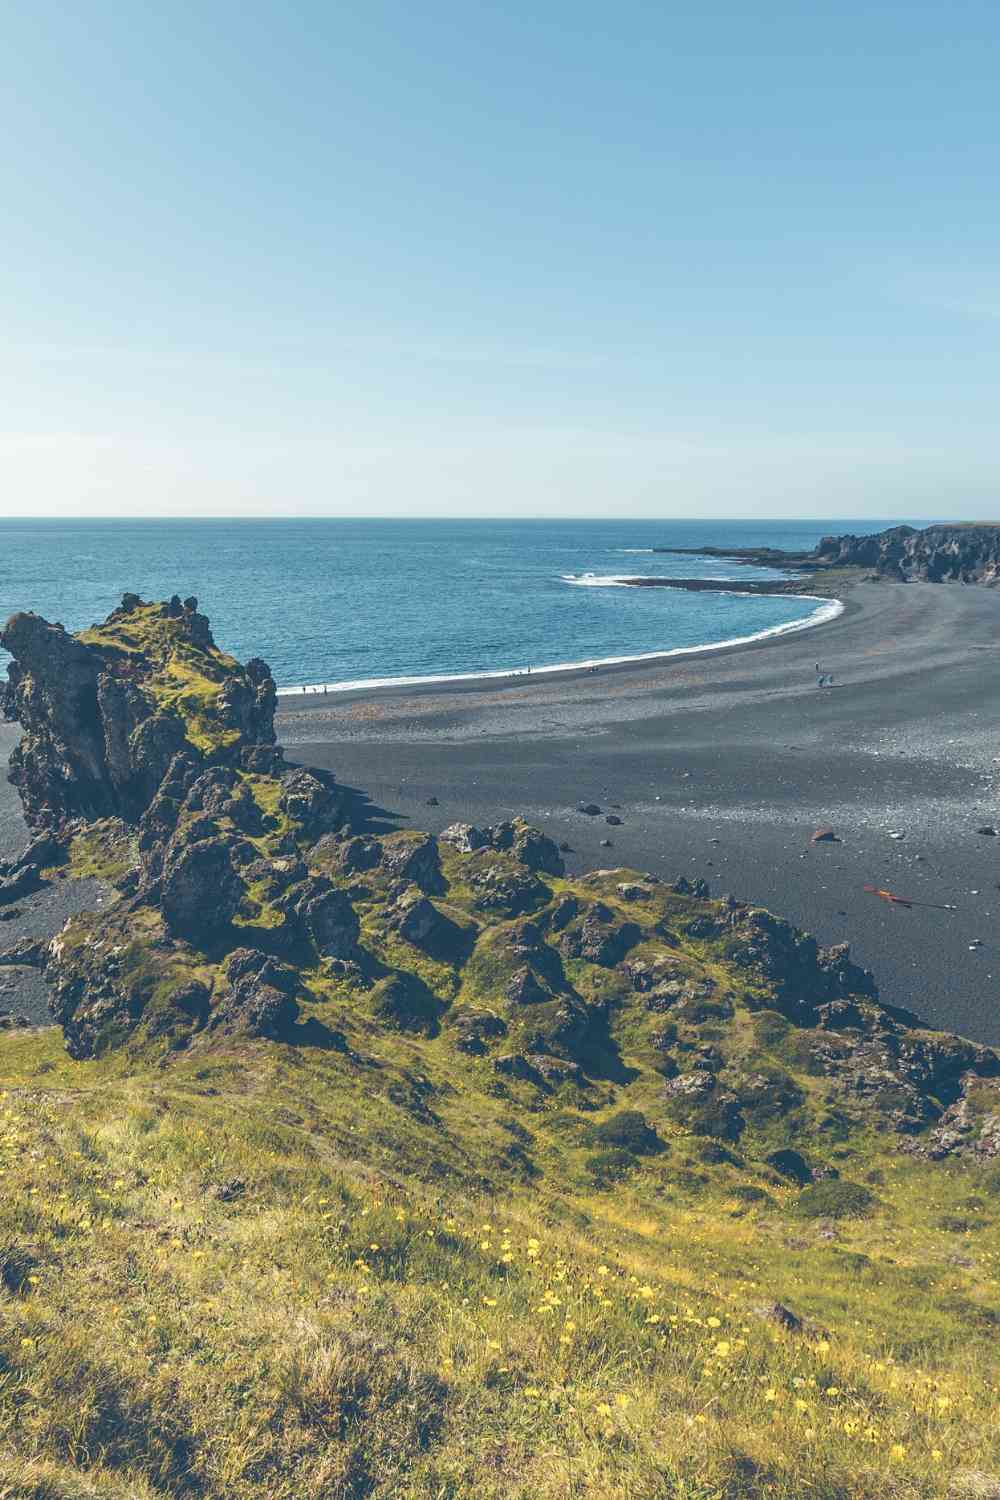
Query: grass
x=286, y=1271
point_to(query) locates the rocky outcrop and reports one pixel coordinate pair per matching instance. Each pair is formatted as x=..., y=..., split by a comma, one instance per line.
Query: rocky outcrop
x=105, y=712
x=938, y=554
x=961, y=553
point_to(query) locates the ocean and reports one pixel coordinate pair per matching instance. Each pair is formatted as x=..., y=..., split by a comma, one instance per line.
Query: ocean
x=342, y=602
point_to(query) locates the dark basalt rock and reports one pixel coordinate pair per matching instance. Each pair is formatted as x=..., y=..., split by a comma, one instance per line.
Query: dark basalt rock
x=97, y=740
x=466, y=838
x=804, y=975
x=601, y=938
x=507, y=893
x=323, y=913
x=261, y=999
x=415, y=918
x=524, y=989
x=530, y=847
x=314, y=805
x=415, y=861
x=200, y=890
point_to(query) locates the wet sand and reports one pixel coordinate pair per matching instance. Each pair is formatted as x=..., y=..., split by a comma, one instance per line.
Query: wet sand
x=723, y=763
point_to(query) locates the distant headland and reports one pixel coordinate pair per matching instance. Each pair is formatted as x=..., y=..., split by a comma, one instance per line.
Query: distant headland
x=964, y=552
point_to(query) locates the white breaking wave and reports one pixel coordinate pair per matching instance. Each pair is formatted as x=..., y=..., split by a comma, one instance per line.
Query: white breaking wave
x=635, y=549
x=828, y=609
x=597, y=580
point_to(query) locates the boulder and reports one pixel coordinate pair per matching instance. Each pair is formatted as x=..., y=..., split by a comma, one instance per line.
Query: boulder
x=200, y=890
x=309, y=802
x=415, y=918
x=321, y=912
x=260, y=1001
x=602, y=938
x=416, y=861
x=465, y=838
x=525, y=989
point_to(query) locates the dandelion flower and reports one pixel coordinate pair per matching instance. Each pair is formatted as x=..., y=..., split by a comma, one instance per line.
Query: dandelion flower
x=722, y=1348
x=897, y=1451
x=713, y=1322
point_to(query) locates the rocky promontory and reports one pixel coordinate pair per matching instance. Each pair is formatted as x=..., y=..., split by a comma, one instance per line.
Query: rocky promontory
x=967, y=552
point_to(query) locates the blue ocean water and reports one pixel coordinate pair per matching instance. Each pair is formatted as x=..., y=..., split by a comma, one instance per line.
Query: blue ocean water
x=348, y=601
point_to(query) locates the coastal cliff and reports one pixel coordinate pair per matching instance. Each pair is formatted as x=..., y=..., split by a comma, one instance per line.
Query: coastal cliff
x=364, y=1149
x=967, y=552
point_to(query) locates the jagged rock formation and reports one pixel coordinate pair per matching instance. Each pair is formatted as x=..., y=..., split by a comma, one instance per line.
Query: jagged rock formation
x=961, y=553
x=105, y=711
x=938, y=554
x=248, y=909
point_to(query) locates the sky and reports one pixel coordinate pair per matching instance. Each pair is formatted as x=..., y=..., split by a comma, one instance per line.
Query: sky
x=531, y=258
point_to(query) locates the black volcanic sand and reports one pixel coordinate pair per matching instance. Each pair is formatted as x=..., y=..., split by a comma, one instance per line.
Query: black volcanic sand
x=38, y=915
x=723, y=764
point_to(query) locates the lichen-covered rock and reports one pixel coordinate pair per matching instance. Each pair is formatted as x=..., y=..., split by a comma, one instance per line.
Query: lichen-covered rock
x=466, y=838
x=311, y=803
x=415, y=860
x=602, y=937
x=802, y=975
x=105, y=711
x=324, y=914
x=415, y=918
x=260, y=1001
x=508, y=893
x=200, y=890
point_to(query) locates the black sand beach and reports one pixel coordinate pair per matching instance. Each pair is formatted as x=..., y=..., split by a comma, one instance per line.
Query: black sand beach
x=722, y=764
x=719, y=764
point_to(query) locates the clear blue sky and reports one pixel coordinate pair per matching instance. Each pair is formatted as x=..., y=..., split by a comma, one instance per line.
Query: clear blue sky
x=529, y=258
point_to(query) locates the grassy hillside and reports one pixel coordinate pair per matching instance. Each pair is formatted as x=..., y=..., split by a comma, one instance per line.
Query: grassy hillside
x=364, y=1263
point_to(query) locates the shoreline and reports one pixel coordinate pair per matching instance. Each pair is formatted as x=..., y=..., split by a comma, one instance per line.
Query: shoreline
x=722, y=763
x=828, y=610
